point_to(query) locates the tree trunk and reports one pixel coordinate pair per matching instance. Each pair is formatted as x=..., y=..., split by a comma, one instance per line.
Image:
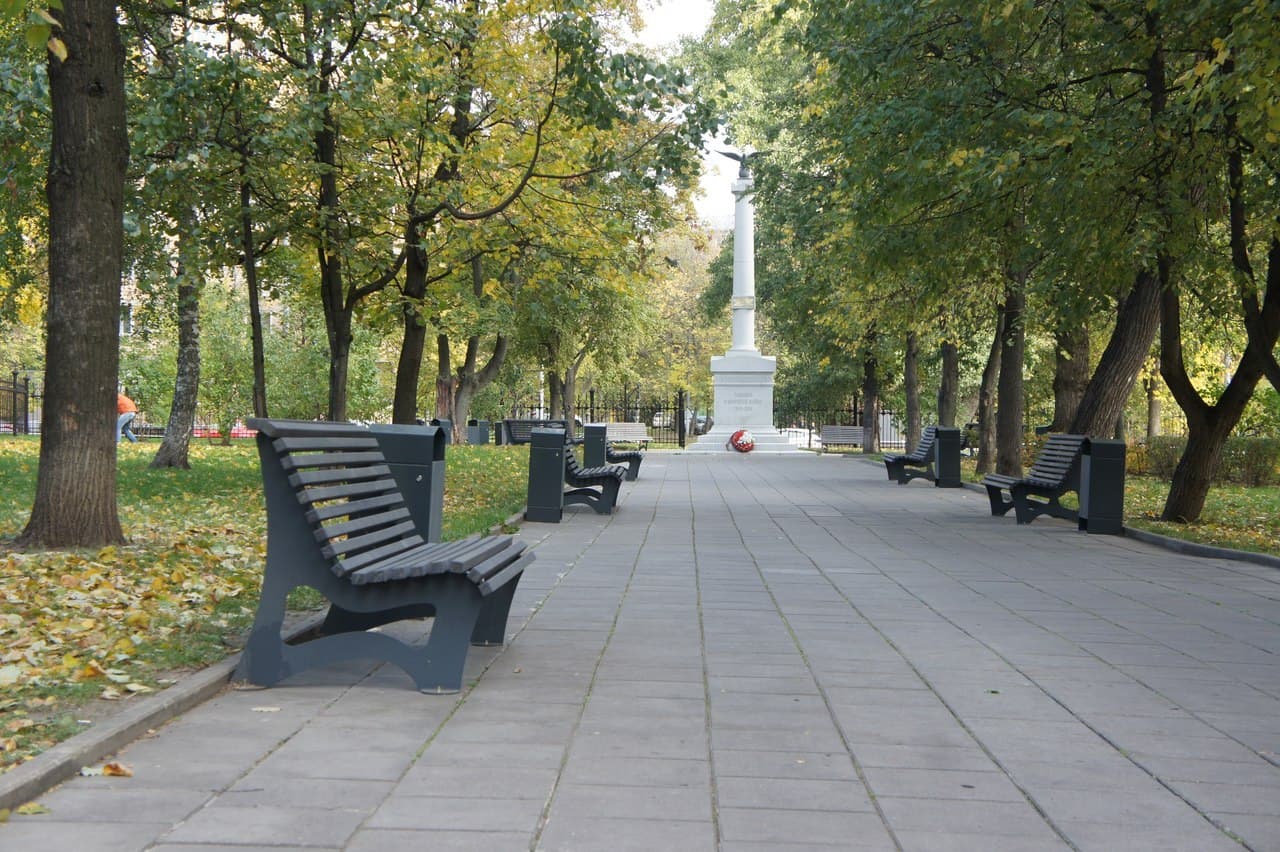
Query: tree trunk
x=870, y=404
x=1153, y=408
x=1010, y=427
x=911, y=389
x=949, y=385
x=1070, y=373
x=555, y=390
x=186, y=384
x=249, y=262
x=471, y=381
x=446, y=381
x=987, y=399
x=75, y=500
x=1108, y=390
x=1209, y=426
x=329, y=240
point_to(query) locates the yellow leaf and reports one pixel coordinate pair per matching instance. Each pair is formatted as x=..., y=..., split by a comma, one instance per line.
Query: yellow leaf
x=117, y=770
x=32, y=809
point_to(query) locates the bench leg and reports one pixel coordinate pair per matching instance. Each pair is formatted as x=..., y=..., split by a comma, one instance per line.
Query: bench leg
x=339, y=620
x=262, y=660
x=999, y=505
x=893, y=467
x=491, y=625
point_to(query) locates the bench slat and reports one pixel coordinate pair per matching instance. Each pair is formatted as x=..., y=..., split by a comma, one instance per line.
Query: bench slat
x=359, y=523
x=338, y=459
x=290, y=444
x=330, y=475
x=395, y=533
x=318, y=514
x=354, y=562
x=349, y=490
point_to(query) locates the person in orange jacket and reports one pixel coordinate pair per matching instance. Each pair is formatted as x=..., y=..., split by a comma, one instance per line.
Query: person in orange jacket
x=128, y=410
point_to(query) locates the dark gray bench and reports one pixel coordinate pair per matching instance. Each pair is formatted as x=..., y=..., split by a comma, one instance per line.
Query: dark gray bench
x=630, y=459
x=337, y=521
x=836, y=436
x=521, y=431
x=596, y=487
x=921, y=457
x=1055, y=472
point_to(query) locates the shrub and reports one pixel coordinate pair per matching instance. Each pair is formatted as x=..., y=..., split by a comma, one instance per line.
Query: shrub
x=1256, y=461
x=1136, y=460
x=1163, y=452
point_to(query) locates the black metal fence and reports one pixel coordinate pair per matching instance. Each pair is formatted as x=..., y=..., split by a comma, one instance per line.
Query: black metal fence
x=19, y=406
x=805, y=425
x=668, y=419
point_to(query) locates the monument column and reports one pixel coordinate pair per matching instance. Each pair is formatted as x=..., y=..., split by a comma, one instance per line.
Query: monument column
x=743, y=378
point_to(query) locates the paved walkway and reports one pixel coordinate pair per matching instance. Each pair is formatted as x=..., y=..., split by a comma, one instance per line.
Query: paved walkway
x=762, y=654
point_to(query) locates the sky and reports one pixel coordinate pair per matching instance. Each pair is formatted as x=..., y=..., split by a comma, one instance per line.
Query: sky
x=666, y=21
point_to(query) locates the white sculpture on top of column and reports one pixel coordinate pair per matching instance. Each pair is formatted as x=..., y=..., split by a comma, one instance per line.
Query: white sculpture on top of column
x=743, y=378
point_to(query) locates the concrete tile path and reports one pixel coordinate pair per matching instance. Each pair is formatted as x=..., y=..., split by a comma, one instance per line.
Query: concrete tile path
x=761, y=653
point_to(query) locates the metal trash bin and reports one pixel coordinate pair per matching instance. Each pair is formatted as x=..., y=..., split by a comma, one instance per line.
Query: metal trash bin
x=415, y=455
x=477, y=431
x=545, y=500
x=946, y=456
x=1102, y=487
x=593, y=445
x=446, y=426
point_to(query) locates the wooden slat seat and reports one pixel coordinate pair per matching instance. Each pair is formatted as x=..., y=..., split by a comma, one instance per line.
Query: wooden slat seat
x=337, y=521
x=1055, y=472
x=897, y=465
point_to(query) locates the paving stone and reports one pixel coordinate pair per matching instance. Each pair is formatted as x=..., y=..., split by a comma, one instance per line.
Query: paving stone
x=627, y=835
x=773, y=825
x=266, y=825
x=457, y=813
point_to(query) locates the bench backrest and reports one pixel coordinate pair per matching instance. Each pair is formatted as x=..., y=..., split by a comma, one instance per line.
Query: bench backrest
x=342, y=482
x=924, y=449
x=626, y=431
x=521, y=431
x=1059, y=459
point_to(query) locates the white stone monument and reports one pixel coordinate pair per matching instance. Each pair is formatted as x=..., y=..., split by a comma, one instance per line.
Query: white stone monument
x=742, y=377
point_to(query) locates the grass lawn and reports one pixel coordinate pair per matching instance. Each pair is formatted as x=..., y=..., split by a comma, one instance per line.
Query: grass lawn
x=79, y=628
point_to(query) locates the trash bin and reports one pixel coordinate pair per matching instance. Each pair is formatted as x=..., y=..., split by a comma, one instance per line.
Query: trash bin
x=446, y=426
x=415, y=455
x=1102, y=487
x=545, y=500
x=946, y=456
x=477, y=431
x=593, y=445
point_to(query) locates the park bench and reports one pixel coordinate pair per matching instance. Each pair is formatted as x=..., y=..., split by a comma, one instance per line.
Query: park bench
x=629, y=458
x=596, y=487
x=338, y=522
x=896, y=465
x=1055, y=472
x=627, y=433
x=520, y=431
x=835, y=436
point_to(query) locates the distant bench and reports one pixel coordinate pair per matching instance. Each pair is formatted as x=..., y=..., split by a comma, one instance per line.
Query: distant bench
x=627, y=433
x=337, y=521
x=1055, y=472
x=837, y=436
x=921, y=457
x=519, y=431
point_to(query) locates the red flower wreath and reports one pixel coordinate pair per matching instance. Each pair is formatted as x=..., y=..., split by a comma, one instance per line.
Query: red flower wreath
x=742, y=441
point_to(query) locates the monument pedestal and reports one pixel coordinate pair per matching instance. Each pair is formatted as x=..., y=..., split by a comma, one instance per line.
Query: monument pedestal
x=743, y=400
